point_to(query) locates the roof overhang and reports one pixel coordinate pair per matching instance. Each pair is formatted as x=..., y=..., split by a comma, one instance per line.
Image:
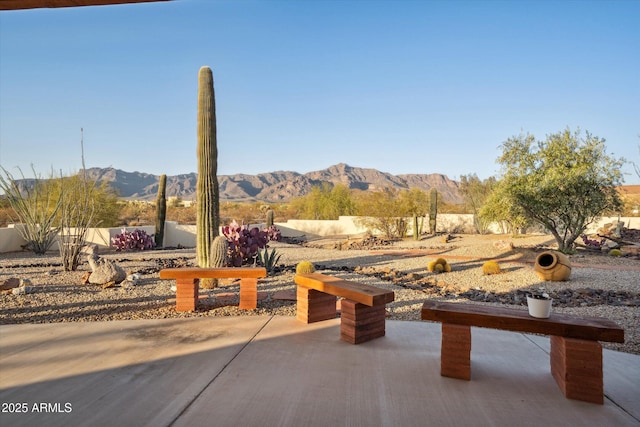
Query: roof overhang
x=34, y=4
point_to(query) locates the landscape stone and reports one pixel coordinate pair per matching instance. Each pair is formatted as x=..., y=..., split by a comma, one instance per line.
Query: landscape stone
x=10, y=283
x=103, y=271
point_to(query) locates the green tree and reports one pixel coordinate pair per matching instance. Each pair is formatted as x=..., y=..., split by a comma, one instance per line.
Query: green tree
x=82, y=191
x=500, y=208
x=387, y=211
x=325, y=201
x=84, y=204
x=414, y=203
x=476, y=193
x=563, y=183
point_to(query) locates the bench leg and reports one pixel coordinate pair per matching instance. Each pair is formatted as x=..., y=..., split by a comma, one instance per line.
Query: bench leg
x=576, y=365
x=314, y=306
x=455, y=353
x=187, y=292
x=248, y=293
x=360, y=323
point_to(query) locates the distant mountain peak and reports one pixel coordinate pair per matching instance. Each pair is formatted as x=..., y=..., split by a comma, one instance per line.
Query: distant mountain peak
x=279, y=186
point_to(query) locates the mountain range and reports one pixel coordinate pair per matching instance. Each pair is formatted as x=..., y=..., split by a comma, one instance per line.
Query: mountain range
x=280, y=186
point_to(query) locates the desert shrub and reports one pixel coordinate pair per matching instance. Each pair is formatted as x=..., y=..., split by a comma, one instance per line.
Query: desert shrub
x=132, y=240
x=325, y=201
x=137, y=213
x=182, y=214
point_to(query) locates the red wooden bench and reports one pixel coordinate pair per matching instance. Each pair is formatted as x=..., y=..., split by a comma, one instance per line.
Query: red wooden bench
x=363, y=308
x=576, y=354
x=187, y=284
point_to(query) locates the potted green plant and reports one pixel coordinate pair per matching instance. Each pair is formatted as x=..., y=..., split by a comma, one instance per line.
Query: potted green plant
x=539, y=304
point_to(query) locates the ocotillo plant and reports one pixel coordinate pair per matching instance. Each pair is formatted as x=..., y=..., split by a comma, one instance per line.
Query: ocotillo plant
x=433, y=210
x=161, y=210
x=208, y=203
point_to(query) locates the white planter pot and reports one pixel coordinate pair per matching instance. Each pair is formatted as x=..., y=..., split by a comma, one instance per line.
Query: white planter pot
x=540, y=308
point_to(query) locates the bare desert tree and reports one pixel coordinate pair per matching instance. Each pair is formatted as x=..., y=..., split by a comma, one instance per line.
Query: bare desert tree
x=77, y=213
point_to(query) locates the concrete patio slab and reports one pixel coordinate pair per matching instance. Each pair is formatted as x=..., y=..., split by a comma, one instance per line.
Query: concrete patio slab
x=268, y=371
x=115, y=373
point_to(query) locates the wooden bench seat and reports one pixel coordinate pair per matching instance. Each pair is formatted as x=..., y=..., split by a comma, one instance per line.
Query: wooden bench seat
x=363, y=308
x=188, y=283
x=576, y=354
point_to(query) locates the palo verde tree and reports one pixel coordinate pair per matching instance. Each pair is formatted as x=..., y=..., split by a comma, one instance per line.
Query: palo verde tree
x=498, y=207
x=563, y=183
x=325, y=201
x=476, y=193
x=414, y=203
x=388, y=210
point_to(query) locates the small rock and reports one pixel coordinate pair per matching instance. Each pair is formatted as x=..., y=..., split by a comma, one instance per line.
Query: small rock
x=131, y=280
x=10, y=283
x=23, y=290
x=503, y=244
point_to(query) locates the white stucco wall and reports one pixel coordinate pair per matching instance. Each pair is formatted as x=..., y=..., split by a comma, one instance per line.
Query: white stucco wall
x=185, y=235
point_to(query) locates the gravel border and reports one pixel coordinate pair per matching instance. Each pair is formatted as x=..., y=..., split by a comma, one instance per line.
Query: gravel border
x=601, y=286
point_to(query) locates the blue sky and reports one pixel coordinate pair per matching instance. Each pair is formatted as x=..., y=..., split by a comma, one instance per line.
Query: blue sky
x=399, y=86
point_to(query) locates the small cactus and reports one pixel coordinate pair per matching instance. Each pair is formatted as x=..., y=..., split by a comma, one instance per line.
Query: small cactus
x=305, y=267
x=491, y=267
x=615, y=252
x=218, y=257
x=219, y=252
x=439, y=265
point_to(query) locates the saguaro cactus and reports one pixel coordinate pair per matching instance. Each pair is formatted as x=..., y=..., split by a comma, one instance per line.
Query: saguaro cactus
x=208, y=203
x=161, y=210
x=270, y=214
x=433, y=210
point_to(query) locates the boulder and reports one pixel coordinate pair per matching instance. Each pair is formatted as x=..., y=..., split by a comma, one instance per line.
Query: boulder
x=103, y=271
x=107, y=271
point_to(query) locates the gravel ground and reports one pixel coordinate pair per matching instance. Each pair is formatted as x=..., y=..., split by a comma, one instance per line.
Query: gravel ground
x=600, y=285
